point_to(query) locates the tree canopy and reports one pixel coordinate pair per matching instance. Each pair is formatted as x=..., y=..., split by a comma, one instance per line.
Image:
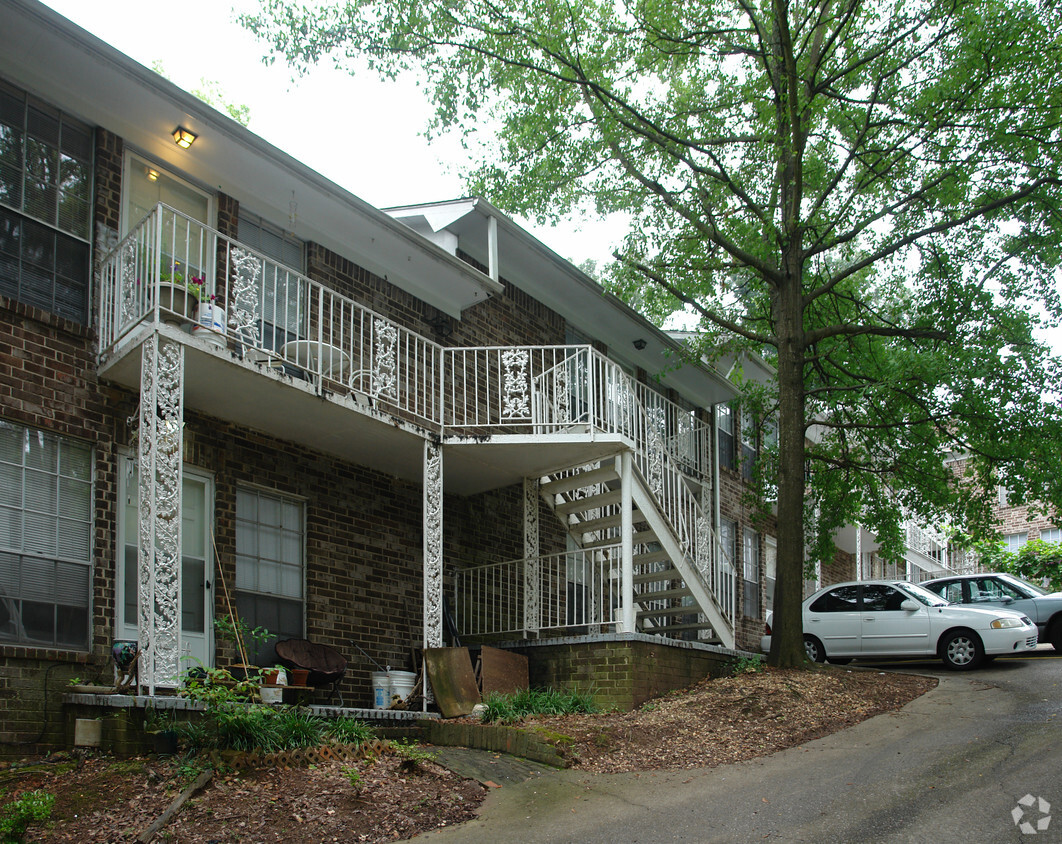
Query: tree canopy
x=865, y=192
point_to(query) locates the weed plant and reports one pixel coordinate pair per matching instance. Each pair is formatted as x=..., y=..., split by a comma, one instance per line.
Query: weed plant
x=16, y=816
x=514, y=707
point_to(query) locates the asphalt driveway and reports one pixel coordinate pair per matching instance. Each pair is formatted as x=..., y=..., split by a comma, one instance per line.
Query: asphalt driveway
x=953, y=765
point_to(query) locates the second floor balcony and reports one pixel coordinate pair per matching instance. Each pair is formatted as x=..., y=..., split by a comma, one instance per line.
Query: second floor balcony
x=270, y=349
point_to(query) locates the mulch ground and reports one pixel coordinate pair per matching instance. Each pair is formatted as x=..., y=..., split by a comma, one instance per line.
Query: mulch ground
x=714, y=722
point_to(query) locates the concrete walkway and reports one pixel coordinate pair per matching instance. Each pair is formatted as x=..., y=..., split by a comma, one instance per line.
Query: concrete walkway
x=949, y=766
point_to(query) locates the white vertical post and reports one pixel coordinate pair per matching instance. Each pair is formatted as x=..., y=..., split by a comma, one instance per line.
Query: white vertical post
x=859, y=551
x=159, y=454
x=433, y=545
x=492, y=247
x=627, y=621
x=532, y=563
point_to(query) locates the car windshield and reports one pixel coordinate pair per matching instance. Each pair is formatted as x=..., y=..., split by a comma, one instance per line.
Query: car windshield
x=921, y=594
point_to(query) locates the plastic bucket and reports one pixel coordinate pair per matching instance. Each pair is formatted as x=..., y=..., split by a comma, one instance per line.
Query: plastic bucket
x=402, y=683
x=381, y=690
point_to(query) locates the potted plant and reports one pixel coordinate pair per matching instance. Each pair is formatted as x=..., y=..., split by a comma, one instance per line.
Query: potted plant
x=234, y=629
x=78, y=686
x=178, y=297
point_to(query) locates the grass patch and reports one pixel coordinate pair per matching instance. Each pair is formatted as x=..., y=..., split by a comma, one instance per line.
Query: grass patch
x=515, y=707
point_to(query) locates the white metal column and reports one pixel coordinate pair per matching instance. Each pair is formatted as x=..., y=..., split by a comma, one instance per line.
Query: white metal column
x=160, y=432
x=532, y=563
x=433, y=545
x=628, y=618
x=859, y=551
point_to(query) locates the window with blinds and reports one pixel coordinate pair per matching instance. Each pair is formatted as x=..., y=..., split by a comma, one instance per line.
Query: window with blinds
x=269, y=567
x=45, y=538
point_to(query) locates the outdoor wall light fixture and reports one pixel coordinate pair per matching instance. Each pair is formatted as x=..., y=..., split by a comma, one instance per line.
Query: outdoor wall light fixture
x=153, y=175
x=183, y=138
x=639, y=344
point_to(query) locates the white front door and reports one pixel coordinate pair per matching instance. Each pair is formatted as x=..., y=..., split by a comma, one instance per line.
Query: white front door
x=196, y=600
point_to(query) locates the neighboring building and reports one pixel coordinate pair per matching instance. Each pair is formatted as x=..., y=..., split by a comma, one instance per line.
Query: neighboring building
x=1020, y=523
x=379, y=415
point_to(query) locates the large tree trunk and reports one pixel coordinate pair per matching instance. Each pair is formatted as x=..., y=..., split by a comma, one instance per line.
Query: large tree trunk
x=787, y=643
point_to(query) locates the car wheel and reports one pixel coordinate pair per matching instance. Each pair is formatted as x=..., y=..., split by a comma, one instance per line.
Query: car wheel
x=1054, y=635
x=814, y=649
x=962, y=650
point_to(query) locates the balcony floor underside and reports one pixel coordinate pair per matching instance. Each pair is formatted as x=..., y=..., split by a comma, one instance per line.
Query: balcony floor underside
x=220, y=384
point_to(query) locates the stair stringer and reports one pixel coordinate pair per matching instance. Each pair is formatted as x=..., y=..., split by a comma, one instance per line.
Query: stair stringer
x=665, y=535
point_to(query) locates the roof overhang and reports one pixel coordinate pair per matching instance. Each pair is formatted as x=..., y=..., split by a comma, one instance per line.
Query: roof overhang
x=72, y=69
x=533, y=267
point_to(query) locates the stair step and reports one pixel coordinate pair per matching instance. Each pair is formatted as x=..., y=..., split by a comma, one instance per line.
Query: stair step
x=640, y=538
x=591, y=525
x=666, y=575
x=681, y=628
x=591, y=502
x=692, y=609
x=661, y=595
x=601, y=475
x=651, y=557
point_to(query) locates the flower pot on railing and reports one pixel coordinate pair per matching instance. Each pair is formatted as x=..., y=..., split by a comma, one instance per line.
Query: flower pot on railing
x=210, y=323
x=176, y=304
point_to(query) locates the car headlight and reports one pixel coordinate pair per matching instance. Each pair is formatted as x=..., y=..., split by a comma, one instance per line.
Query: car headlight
x=1006, y=623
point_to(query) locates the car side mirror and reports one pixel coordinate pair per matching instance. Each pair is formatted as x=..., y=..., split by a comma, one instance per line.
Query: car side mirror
x=910, y=606
x=1006, y=599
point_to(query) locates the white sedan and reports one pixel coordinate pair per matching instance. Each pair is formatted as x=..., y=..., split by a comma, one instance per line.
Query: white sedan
x=894, y=618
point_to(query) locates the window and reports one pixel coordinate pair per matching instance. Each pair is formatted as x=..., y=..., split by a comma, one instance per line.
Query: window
x=751, y=564
x=770, y=562
x=728, y=541
x=45, y=538
x=749, y=448
x=880, y=598
x=45, y=206
x=727, y=453
x=283, y=299
x=1051, y=535
x=1016, y=541
x=269, y=567
x=841, y=599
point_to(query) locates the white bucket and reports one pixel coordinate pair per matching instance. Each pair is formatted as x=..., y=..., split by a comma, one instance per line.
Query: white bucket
x=402, y=683
x=272, y=694
x=210, y=323
x=381, y=690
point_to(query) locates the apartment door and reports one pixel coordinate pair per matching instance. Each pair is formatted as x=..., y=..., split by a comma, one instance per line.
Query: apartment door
x=195, y=596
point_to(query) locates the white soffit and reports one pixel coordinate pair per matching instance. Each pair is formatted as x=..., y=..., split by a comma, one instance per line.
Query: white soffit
x=70, y=68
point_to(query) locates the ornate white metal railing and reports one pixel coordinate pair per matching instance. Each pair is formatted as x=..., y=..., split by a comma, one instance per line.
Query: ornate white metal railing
x=169, y=264
x=575, y=589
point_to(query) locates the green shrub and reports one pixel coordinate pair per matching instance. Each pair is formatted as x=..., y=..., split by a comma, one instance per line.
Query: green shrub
x=747, y=665
x=349, y=731
x=514, y=707
x=412, y=754
x=17, y=815
x=298, y=727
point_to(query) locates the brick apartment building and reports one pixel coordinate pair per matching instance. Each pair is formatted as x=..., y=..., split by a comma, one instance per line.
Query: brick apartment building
x=349, y=424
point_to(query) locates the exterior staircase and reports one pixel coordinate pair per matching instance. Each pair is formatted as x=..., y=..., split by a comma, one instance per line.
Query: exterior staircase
x=675, y=595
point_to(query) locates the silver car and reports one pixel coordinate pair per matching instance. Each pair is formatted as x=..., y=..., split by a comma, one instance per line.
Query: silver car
x=1007, y=591
x=894, y=618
